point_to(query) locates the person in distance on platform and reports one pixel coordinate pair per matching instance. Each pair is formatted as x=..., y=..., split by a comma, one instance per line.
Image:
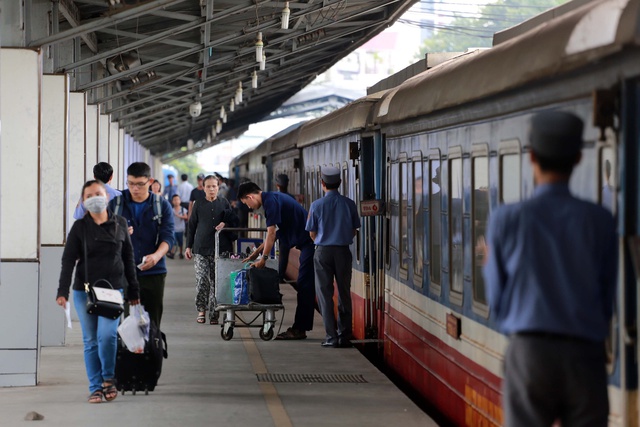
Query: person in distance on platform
x=103, y=172
x=156, y=187
x=289, y=217
x=109, y=256
x=171, y=189
x=551, y=278
x=184, y=190
x=332, y=223
x=207, y=216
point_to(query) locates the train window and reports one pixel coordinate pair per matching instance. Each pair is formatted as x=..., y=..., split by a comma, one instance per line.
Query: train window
x=455, y=225
x=480, y=200
x=608, y=182
x=405, y=208
x=394, y=198
x=388, y=243
x=510, y=178
x=418, y=221
x=435, y=205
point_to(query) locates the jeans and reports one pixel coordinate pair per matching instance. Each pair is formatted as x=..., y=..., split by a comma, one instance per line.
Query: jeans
x=100, y=338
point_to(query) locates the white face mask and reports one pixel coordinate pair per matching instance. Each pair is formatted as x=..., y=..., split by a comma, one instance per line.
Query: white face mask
x=96, y=204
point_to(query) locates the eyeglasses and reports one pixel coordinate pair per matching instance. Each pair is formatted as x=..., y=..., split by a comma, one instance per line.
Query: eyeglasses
x=137, y=184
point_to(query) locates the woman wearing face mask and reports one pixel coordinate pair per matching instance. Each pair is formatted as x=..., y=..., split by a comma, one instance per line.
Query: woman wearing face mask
x=109, y=256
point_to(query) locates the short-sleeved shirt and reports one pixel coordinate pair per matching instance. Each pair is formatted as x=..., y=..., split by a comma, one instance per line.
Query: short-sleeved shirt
x=196, y=194
x=552, y=265
x=288, y=216
x=333, y=218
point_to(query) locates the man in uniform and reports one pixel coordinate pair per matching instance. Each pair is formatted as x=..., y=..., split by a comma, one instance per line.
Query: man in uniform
x=287, y=217
x=551, y=278
x=332, y=223
x=282, y=184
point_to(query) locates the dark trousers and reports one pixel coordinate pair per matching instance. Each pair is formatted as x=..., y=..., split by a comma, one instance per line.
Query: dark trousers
x=334, y=262
x=283, y=260
x=152, y=294
x=303, y=320
x=550, y=378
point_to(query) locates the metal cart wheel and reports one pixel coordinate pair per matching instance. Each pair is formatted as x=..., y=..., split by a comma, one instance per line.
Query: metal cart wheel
x=266, y=336
x=228, y=334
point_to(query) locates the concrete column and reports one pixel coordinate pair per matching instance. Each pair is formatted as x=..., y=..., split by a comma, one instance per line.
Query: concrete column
x=55, y=118
x=76, y=152
x=114, y=134
x=91, y=147
x=103, y=138
x=20, y=107
x=122, y=168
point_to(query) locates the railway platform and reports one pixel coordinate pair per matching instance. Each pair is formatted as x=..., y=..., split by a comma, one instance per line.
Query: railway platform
x=208, y=381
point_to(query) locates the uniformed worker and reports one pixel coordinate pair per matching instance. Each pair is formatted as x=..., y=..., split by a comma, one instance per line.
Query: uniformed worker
x=332, y=223
x=551, y=276
x=289, y=217
x=282, y=184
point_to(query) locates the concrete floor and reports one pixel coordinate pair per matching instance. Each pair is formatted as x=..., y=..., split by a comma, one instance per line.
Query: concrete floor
x=208, y=381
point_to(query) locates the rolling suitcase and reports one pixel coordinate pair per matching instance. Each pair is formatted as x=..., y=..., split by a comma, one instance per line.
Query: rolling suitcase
x=140, y=371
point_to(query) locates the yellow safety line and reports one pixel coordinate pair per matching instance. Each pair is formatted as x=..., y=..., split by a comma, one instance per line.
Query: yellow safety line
x=274, y=404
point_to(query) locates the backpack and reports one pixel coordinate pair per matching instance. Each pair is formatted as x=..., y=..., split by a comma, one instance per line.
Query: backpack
x=157, y=207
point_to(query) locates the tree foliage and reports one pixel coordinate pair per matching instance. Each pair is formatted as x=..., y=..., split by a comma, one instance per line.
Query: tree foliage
x=189, y=165
x=463, y=32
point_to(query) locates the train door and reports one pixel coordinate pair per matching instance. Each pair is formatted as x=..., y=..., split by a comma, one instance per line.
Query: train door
x=626, y=191
x=373, y=175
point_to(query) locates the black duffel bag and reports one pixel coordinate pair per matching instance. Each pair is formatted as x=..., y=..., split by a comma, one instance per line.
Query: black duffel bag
x=264, y=286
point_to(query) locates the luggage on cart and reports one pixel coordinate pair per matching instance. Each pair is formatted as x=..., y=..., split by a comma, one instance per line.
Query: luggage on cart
x=264, y=286
x=140, y=371
x=232, y=291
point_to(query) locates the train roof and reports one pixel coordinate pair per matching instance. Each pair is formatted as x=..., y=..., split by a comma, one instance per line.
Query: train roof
x=581, y=37
x=354, y=116
x=286, y=139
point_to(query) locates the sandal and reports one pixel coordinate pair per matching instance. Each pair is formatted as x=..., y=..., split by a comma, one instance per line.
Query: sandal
x=214, y=321
x=95, y=397
x=202, y=317
x=109, y=390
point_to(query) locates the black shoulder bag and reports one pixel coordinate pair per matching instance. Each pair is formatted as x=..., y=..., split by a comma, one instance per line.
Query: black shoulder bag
x=101, y=301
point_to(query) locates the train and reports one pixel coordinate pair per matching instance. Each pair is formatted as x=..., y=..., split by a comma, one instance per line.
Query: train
x=428, y=160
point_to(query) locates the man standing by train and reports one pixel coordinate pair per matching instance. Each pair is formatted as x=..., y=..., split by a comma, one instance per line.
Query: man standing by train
x=286, y=217
x=551, y=276
x=332, y=223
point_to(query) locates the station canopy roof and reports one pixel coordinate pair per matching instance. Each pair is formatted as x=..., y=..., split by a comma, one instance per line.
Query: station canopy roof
x=161, y=56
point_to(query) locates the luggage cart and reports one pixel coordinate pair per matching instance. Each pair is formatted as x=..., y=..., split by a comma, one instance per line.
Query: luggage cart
x=224, y=266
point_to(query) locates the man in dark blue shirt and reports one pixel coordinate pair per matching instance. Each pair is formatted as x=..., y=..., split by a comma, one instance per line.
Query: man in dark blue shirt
x=151, y=235
x=287, y=217
x=332, y=223
x=551, y=278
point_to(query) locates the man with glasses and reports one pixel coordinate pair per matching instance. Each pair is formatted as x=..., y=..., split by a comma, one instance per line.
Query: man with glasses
x=150, y=219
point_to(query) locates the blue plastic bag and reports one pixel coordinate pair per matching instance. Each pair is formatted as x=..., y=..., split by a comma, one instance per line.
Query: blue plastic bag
x=240, y=288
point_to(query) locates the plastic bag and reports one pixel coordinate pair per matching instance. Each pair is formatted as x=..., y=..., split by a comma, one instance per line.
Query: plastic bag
x=132, y=335
x=240, y=287
x=144, y=322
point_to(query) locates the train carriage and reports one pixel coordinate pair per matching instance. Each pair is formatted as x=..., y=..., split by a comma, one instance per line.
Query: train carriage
x=460, y=129
x=444, y=149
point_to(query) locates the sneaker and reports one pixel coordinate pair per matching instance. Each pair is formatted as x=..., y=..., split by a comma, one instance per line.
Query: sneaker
x=292, y=334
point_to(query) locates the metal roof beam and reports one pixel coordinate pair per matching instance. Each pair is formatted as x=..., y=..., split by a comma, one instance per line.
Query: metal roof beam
x=136, y=36
x=72, y=15
x=96, y=24
x=131, y=46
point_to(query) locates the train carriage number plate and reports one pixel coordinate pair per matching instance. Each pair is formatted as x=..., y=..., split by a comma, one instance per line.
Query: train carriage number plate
x=371, y=207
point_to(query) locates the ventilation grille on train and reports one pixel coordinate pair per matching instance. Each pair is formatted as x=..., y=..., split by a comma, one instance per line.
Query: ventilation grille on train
x=310, y=378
